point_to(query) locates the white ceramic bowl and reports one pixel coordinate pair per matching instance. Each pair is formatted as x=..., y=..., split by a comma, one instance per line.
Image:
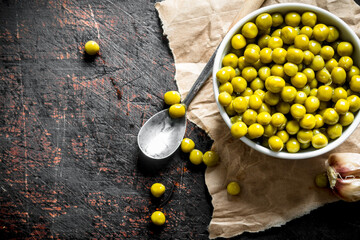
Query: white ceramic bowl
x=346, y=34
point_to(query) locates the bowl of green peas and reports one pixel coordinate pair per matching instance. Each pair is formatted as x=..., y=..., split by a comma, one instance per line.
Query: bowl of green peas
x=286, y=80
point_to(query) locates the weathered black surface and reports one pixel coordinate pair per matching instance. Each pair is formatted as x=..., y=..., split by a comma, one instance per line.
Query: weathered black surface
x=69, y=166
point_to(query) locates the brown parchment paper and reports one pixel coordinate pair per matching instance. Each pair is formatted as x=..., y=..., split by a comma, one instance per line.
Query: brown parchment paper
x=273, y=191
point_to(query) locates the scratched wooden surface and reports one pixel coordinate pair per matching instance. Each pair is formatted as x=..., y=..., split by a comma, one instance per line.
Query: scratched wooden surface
x=69, y=166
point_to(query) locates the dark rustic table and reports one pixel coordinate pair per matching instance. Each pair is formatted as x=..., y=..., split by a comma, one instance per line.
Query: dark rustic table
x=69, y=166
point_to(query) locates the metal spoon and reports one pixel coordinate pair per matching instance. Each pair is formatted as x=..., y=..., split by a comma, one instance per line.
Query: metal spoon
x=161, y=135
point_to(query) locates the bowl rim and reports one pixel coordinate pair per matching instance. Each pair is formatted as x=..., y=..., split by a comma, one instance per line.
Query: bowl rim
x=217, y=62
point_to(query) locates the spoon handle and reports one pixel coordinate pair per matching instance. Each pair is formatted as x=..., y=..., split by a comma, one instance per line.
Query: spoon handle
x=204, y=75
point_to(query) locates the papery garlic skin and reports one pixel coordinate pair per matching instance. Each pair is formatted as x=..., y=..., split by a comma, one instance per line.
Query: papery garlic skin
x=343, y=170
x=332, y=175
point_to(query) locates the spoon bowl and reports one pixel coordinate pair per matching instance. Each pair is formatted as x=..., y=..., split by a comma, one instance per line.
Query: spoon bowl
x=161, y=135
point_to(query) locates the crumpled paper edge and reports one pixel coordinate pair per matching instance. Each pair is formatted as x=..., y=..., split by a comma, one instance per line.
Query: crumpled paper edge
x=206, y=130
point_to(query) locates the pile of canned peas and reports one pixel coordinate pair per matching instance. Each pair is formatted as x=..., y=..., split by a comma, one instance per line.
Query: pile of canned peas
x=289, y=82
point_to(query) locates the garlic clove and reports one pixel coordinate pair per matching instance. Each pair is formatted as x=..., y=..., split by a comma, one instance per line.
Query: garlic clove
x=343, y=170
x=345, y=164
x=348, y=189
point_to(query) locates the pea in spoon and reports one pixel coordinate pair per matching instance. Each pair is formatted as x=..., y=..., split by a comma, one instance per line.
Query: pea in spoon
x=161, y=135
